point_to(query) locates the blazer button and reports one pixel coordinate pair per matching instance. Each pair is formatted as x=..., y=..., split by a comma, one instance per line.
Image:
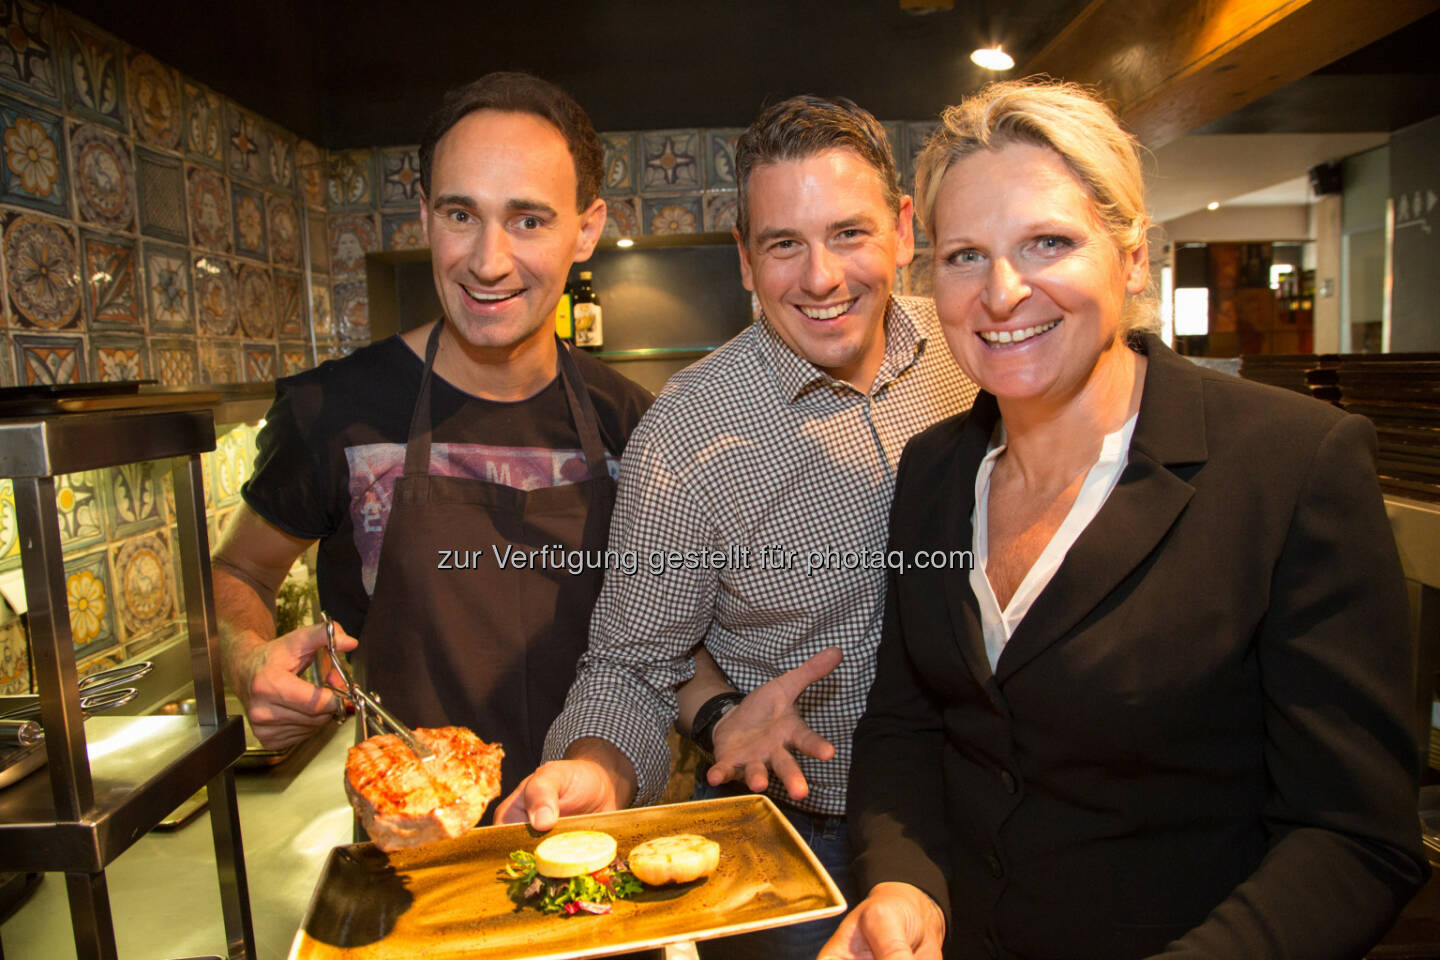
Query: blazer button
x=1007, y=779
x=993, y=862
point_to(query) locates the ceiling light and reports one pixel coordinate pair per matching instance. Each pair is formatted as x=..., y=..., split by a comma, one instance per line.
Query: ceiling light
x=1213, y=205
x=625, y=243
x=992, y=58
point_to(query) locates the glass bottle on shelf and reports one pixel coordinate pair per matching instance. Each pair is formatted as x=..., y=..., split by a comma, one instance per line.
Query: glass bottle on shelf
x=589, y=328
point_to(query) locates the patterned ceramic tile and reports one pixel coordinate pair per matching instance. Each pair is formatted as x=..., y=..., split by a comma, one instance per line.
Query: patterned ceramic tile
x=289, y=304
x=350, y=181
x=154, y=101
x=310, y=162
x=400, y=177
x=402, y=231
x=173, y=362
x=919, y=284
x=915, y=134
x=144, y=582
x=231, y=463
x=87, y=591
x=27, y=48
x=204, y=123
x=14, y=658
x=104, y=177
x=256, y=292
x=118, y=358
x=216, y=304
x=94, y=81
x=246, y=146
x=220, y=362
x=720, y=211
x=87, y=663
x=111, y=286
x=33, y=174
x=673, y=215
x=281, y=165
x=622, y=217
x=160, y=186
x=670, y=161
x=248, y=208
x=42, y=273
x=294, y=357
x=167, y=289
x=319, y=243
x=284, y=223
x=351, y=237
x=720, y=156
x=352, y=310
x=80, y=509
x=9, y=529
x=49, y=359
x=619, y=164
x=133, y=498
x=260, y=363
x=320, y=314
x=209, y=205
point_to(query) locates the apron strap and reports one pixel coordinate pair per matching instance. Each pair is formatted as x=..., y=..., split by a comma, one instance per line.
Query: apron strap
x=582, y=412
x=417, y=444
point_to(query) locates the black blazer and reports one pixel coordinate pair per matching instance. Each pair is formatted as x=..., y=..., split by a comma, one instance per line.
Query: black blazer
x=1200, y=732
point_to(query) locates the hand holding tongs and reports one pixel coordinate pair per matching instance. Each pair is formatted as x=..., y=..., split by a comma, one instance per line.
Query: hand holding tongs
x=365, y=701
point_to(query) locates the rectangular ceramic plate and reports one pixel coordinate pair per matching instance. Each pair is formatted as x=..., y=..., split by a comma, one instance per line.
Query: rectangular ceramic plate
x=443, y=900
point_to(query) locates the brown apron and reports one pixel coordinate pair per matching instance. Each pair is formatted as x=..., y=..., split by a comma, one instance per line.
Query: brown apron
x=486, y=648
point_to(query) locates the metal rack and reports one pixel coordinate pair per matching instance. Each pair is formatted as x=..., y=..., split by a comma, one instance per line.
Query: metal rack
x=96, y=806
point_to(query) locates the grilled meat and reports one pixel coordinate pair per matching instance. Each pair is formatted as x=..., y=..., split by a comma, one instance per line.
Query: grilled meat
x=405, y=803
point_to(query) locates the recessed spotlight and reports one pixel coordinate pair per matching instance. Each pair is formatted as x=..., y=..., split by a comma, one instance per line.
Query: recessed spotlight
x=992, y=58
x=625, y=243
x=1213, y=205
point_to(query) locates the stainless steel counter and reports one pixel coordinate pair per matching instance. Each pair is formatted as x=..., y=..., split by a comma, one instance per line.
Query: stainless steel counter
x=163, y=889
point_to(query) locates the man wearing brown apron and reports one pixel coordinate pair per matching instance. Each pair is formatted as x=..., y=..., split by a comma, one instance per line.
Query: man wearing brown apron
x=449, y=473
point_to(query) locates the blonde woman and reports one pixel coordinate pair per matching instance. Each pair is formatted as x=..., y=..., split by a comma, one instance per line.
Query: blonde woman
x=1167, y=708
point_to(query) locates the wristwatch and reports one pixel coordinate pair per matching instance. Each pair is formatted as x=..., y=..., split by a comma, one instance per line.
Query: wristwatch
x=702, y=731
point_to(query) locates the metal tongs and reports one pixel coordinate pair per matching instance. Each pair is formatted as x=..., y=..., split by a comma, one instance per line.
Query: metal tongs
x=366, y=702
x=103, y=690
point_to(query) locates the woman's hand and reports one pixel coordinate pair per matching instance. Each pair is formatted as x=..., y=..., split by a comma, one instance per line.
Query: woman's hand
x=896, y=921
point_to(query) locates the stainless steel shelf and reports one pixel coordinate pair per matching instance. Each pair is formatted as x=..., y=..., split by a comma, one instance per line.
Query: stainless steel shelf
x=69, y=443
x=96, y=799
x=141, y=767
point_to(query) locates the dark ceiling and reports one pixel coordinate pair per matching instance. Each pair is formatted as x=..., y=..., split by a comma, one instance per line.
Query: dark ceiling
x=1390, y=84
x=366, y=72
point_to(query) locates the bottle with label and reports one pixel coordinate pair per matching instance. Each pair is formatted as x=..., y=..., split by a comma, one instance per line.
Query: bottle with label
x=564, y=324
x=589, y=331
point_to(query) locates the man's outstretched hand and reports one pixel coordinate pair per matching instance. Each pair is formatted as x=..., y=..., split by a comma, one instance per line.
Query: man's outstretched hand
x=760, y=735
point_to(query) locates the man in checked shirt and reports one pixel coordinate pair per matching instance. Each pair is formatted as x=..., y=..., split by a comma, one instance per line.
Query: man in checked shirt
x=779, y=451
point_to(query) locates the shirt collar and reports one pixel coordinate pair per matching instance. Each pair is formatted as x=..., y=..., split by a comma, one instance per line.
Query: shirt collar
x=904, y=343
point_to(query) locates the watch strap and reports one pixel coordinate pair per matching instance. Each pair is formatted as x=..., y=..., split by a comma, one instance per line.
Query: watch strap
x=702, y=731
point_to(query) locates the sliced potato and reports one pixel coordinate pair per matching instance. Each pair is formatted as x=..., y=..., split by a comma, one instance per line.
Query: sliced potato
x=574, y=854
x=675, y=859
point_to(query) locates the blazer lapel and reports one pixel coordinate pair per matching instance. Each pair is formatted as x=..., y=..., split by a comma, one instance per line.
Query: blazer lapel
x=1138, y=513
x=959, y=507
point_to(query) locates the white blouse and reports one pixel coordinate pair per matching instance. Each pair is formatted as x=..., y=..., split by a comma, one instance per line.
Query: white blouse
x=999, y=625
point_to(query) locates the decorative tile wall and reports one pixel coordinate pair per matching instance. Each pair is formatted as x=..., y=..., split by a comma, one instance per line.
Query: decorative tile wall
x=151, y=227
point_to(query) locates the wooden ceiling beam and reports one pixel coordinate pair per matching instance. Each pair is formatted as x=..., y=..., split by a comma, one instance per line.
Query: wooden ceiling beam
x=1170, y=66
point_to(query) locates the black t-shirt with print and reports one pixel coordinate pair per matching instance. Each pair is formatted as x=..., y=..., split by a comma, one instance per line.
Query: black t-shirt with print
x=334, y=443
